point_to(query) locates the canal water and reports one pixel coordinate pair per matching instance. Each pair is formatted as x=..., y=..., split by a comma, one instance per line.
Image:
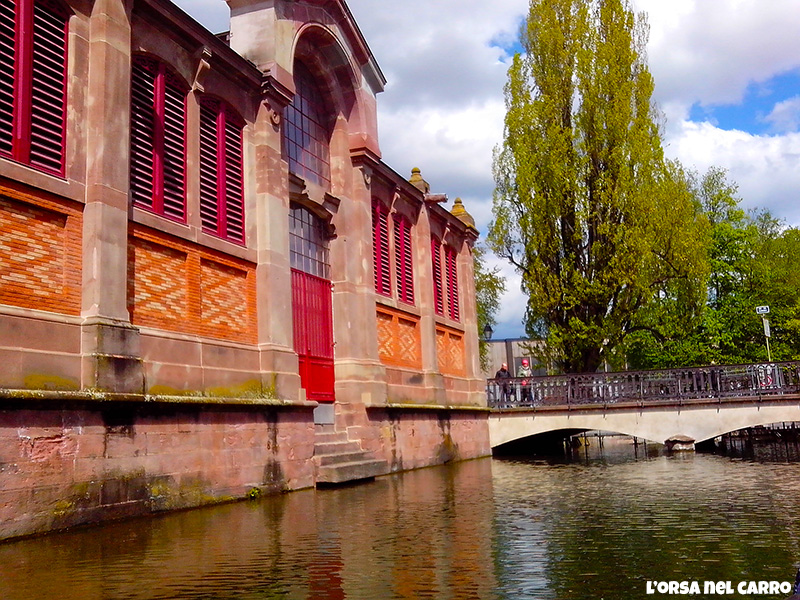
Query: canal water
x=599, y=525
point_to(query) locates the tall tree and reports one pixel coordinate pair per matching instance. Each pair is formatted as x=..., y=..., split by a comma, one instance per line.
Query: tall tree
x=489, y=286
x=585, y=207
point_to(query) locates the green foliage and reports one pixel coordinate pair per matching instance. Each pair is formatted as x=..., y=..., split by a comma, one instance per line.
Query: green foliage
x=489, y=286
x=753, y=262
x=599, y=225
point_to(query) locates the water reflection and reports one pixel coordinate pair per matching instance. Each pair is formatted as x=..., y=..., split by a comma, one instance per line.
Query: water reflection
x=599, y=525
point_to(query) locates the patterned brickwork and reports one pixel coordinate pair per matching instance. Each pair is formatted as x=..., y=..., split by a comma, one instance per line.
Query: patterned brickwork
x=398, y=338
x=223, y=292
x=450, y=352
x=40, y=252
x=178, y=286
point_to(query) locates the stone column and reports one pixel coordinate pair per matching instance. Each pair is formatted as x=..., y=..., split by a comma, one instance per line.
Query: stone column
x=279, y=364
x=110, y=344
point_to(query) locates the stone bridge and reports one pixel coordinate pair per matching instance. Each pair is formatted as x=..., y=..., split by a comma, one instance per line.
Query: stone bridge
x=685, y=405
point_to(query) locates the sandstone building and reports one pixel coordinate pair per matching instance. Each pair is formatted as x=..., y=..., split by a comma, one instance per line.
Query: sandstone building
x=210, y=284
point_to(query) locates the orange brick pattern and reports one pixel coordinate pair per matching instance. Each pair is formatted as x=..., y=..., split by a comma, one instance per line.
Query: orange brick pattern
x=450, y=352
x=40, y=253
x=179, y=286
x=159, y=290
x=223, y=291
x=398, y=338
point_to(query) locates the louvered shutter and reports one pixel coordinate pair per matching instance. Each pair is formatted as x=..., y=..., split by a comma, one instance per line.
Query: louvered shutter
x=452, y=284
x=403, y=260
x=173, y=168
x=33, y=59
x=209, y=184
x=48, y=87
x=380, y=248
x=7, y=45
x=158, y=140
x=438, y=295
x=142, y=132
x=221, y=171
x=234, y=179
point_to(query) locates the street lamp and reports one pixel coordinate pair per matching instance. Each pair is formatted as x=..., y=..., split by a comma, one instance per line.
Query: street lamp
x=487, y=332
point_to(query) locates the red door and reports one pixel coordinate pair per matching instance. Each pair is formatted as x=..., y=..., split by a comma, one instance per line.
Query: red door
x=313, y=334
x=312, y=307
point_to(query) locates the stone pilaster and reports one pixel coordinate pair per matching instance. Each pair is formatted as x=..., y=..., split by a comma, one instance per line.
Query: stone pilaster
x=109, y=343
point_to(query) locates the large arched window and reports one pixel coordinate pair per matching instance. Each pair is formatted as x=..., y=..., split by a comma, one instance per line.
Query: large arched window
x=306, y=130
x=33, y=59
x=158, y=139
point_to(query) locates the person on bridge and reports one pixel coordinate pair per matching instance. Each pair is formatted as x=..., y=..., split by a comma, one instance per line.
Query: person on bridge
x=502, y=380
x=525, y=373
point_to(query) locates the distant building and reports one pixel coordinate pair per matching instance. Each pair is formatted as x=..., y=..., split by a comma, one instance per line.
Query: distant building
x=511, y=351
x=202, y=256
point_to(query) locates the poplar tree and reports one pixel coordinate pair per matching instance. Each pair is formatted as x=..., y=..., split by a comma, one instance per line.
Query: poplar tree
x=585, y=206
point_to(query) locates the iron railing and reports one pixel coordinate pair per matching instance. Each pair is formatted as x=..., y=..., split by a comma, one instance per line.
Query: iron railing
x=652, y=387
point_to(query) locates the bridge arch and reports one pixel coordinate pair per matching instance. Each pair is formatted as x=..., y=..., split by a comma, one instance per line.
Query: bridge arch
x=655, y=424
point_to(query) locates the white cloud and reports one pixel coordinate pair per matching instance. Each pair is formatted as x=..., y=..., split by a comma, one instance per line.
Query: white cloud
x=785, y=116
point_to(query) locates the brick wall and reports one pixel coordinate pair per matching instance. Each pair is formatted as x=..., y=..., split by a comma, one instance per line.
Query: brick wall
x=178, y=286
x=450, y=351
x=398, y=338
x=40, y=252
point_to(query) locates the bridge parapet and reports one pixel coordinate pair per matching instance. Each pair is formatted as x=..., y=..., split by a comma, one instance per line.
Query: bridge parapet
x=662, y=386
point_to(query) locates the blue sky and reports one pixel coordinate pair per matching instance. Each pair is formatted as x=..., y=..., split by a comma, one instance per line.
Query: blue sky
x=727, y=76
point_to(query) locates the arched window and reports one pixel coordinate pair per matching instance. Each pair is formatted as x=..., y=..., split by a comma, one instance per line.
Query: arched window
x=221, y=182
x=306, y=130
x=33, y=76
x=158, y=139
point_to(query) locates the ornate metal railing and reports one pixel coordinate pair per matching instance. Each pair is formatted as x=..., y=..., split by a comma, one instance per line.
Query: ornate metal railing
x=667, y=386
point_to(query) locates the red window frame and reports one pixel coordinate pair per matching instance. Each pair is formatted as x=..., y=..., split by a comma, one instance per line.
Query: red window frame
x=221, y=170
x=452, y=283
x=438, y=280
x=380, y=248
x=158, y=139
x=33, y=83
x=404, y=263
x=306, y=130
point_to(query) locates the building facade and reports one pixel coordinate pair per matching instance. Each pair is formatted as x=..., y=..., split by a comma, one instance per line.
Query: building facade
x=209, y=280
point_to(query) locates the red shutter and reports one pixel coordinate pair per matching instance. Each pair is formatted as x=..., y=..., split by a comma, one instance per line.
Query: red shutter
x=142, y=132
x=452, y=284
x=403, y=260
x=158, y=140
x=48, y=87
x=438, y=296
x=33, y=59
x=234, y=180
x=221, y=171
x=7, y=45
x=209, y=185
x=380, y=248
x=174, y=150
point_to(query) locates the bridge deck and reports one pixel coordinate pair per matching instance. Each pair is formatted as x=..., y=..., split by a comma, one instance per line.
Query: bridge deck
x=636, y=389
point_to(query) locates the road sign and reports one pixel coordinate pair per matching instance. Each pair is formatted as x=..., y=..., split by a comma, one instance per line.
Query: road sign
x=762, y=310
x=766, y=328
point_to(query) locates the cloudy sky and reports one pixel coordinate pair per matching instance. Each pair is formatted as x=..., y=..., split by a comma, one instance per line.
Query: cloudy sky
x=727, y=76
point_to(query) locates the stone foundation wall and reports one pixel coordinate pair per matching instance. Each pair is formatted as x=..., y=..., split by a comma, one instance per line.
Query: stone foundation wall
x=410, y=438
x=65, y=466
